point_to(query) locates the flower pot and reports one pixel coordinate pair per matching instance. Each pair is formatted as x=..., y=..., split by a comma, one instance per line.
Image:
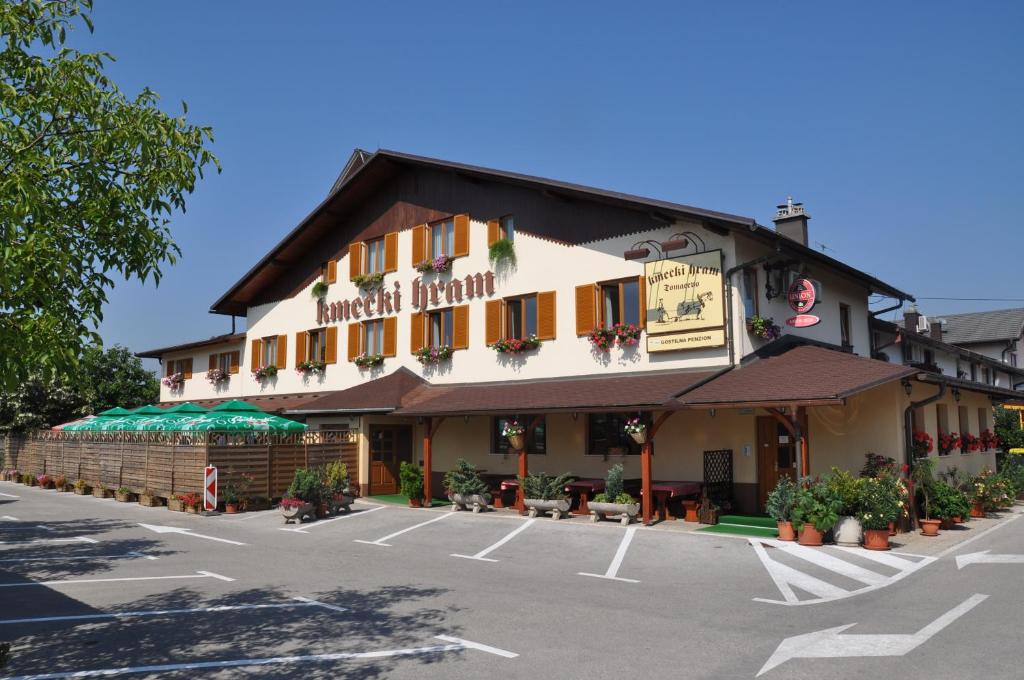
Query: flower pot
x=474, y=502
x=848, y=531
x=416, y=502
x=321, y=510
x=123, y=497
x=930, y=527
x=958, y=519
x=100, y=492
x=149, y=501
x=341, y=502
x=536, y=506
x=639, y=437
x=892, y=528
x=810, y=535
x=947, y=523
x=231, y=508
x=786, y=531
x=296, y=513
x=626, y=511
x=175, y=505
x=192, y=509
x=978, y=509
x=876, y=539
x=516, y=441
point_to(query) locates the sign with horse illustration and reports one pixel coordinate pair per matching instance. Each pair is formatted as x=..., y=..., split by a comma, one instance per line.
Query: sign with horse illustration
x=685, y=294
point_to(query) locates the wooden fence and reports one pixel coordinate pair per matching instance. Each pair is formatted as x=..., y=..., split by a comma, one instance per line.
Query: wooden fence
x=167, y=465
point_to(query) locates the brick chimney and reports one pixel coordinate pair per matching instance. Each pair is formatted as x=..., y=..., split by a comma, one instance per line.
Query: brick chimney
x=791, y=221
x=910, y=319
x=935, y=330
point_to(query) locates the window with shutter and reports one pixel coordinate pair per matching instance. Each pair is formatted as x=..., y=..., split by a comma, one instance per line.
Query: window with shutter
x=419, y=244
x=461, y=238
x=268, y=346
x=586, y=308
x=213, y=362
x=255, y=354
x=354, y=338
x=282, y=351
x=390, y=340
x=187, y=368
x=494, y=311
x=355, y=260
x=235, y=360
x=301, y=340
x=621, y=302
x=169, y=368
x=416, y=332
x=391, y=252
x=331, y=345
x=546, y=315
x=373, y=256
x=521, y=317
x=493, y=232
x=332, y=271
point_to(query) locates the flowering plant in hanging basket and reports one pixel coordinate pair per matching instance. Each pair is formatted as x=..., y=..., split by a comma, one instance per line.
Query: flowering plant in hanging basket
x=307, y=367
x=439, y=264
x=764, y=328
x=636, y=429
x=923, y=444
x=174, y=381
x=433, y=355
x=264, y=372
x=948, y=441
x=368, y=280
x=216, y=375
x=516, y=345
x=514, y=432
x=368, y=360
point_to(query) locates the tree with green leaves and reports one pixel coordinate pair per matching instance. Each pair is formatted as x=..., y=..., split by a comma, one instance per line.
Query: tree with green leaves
x=89, y=179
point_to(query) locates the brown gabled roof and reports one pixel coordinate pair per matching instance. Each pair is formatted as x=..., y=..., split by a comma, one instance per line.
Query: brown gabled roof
x=803, y=375
x=278, y=403
x=382, y=395
x=629, y=391
x=215, y=340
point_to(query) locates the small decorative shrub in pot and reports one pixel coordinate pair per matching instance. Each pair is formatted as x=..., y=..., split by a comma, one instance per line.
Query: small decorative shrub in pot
x=466, y=489
x=81, y=487
x=613, y=500
x=236, y=491
x=815, y=511
x=44, y=481
x=779, y=507
x=99, y=490
x=922, y=474
x=123, y=494
x=295, y=510
x=410, y=482
x=60, y=483
x=368, y=360
x=764, y=328
x=950, y=504
x=502, y=250
x=337, y=483
x=319, y=290
x=264, y=372
x=148, y=499
x=303, y=496
x=881, y=502
x=846, y=489
x=190, y=502
x=542, y=493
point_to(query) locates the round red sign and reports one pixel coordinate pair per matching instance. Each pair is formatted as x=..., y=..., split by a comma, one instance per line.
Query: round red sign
x=801, y=296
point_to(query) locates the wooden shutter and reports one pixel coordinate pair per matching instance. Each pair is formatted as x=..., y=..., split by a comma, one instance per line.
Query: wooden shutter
x=169, y=368
x=461, y=246
x=419, y=244
x=331, y=345
x=460, y=327
x=282, y=351
x=236, y=358
x=416, y=321
x=355, y=260
x=300, y=347
x=188, y=368
x=493, y=231
x=354, y=337
x=213, y=362
x=257, y=350
x=586, y=308
x=391, y=251
x=390, y=336
x=332, y=271
x=642, y=287
x=494, y=311
x=546, y=315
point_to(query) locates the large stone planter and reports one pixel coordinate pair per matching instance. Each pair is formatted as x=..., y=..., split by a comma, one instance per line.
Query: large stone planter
x=848, y=531
x=297, y=513
x=474, y=502
x=100, y=492
x=557, y=508
x=342, y=503
x=626, y=511
x=149, y=501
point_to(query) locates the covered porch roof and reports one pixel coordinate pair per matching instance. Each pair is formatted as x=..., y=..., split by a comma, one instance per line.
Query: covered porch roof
x=381, y=395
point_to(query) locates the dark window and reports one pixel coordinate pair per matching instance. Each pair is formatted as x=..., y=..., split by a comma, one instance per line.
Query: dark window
x=536, y=438
x=373, y=337
x=316, y=349
x=620, y=303
x=844, y=325
x=440, y=326
x=908, y=351
x=442, y=238
x=750, y=292
x=929, y=357
x=507, y=228
x=374, y=256
x=974, y=372
x=606, y=436
x=521, y=316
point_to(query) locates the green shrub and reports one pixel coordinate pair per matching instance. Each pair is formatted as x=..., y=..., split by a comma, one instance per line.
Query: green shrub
x=613, y=492
x=502, y=250
x=949, y=502
x=923, y=475
x=846, y=489
x=544, y=487
x=464, y=480
x=881, y=501
x=336, y=478
x=781, y=499
x=815, y=504
x=307, y=485
x=410, y=480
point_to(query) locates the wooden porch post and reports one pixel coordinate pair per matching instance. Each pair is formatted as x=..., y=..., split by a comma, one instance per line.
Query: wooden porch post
x=428, y=461
x=523, y=471
x=645, y=480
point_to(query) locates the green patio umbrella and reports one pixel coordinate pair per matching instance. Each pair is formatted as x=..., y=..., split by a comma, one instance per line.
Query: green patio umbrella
x=239, y=416
x=236, y=406
x=115, y=414
x=148, y=410
x=187, y=407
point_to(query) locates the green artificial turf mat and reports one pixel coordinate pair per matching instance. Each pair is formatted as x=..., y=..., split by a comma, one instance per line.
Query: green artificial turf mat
x=749, y=520
x=399, y=499
x=741, y=530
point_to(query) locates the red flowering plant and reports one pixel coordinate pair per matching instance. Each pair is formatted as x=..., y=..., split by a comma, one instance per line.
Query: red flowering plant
x=601, y=339
x=969, y=442
x=43, y=481
x=288, y=503
x=947, y=442
x=516, y=345
x=189, y=500
x=923, y=444
x=621, y=334
x=989, y=440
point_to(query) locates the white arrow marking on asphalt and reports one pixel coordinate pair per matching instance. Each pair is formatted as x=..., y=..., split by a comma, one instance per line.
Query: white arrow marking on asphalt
x=985, y=557
x=188, y=532
x=831, y=644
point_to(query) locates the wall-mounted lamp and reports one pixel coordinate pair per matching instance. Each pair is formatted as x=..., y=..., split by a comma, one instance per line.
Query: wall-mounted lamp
x=465, y=419
x=636, y=253
x=575, y=415
x=956, y=394
x=712, y=412
x=675, y=244
x=907, y=387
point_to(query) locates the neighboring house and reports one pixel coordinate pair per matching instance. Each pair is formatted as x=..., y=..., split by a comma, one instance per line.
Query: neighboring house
x=998, y=334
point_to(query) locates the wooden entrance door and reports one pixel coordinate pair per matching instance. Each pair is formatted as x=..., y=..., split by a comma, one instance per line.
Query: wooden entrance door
x=390, y=445
x=776, y=456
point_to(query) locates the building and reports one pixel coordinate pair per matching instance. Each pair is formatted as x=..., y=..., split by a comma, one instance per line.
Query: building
x=750, y=355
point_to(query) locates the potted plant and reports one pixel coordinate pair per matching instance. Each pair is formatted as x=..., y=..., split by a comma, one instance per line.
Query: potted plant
x=305, y=368
x=466, y=489
x=439, y=264
x=148, y=499
x=515, y=433
x=60, y=483
x=123, y=494
x=100, y=491
x=516, y=345
x=988, y=440
x=846, y=489
x=303, y=496
x=338, y=483
x=880, y=504
x=174, y=504
x=410, y=482
x=433, y=355
x=815, y=511
x=948, y=441
x=613, y=500
x=232, y=498
x=764, y=328
x=969, y=443
x=779, y=507
x=215, y=376
x=601, y=339
x=44, y=481
x=922, y=474
x=922, y=444
x=319, y=290
x=502, y=250
x=636, y=429
x=28, y=479
x=368, y=360
x=295, y=510
x=81, y=487
x=174, y=381
x=190, y=502
x=950, y=504
x=265, y=372
x=368, y=280
x=542, y=493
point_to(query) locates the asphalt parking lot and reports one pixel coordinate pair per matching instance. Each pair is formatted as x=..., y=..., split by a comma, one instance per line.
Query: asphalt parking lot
x=92, y=587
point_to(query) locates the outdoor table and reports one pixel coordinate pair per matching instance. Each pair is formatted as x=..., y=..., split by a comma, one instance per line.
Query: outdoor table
x=506, y=485
x=583, y=490
x=665, y=492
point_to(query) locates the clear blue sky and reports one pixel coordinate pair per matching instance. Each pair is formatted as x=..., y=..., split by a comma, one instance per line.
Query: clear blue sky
x=898, y=124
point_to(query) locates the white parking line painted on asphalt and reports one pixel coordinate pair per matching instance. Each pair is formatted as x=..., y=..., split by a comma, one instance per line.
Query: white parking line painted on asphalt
x=9, y=495
x=482, y=555
x=381, y=541
x=298, y=602
x=161, y=529
x=38, y=526
x=73, y=539
x=72, y=558
x=69, y=582
x=13, y=519
x=620, y=555
x=304, y=529
x=247, y=515
x=459, y=645
x=834, y=564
